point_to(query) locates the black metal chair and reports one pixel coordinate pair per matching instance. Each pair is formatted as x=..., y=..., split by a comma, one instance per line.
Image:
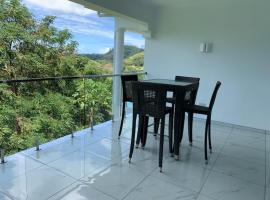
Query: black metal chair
x=190, y=98
x=127, y=95
x=208, y=112
x=149, y=100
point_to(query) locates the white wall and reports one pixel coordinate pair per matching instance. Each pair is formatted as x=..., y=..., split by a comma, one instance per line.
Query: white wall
x=240, y=33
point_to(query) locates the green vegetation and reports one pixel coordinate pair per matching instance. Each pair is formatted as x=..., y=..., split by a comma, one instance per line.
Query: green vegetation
x=128, y=51
x=49, y=109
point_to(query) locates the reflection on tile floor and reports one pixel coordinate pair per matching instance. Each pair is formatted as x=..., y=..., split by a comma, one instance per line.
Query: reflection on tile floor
x=94, y=165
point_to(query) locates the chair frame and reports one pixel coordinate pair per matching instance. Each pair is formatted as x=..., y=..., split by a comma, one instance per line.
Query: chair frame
x=125, y=97
x=190, y=115
x=203, y=110
x=158, y=111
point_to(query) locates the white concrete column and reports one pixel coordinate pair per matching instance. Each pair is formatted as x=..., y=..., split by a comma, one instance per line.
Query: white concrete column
x=117, y=69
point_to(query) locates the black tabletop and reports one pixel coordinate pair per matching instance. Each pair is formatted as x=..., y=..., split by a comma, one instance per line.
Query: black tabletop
x=171, y=83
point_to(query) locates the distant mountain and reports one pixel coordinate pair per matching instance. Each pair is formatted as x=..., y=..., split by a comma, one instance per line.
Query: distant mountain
x=128, y=52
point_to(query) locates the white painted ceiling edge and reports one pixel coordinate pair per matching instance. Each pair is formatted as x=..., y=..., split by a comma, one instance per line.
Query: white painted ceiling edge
x=123, y=14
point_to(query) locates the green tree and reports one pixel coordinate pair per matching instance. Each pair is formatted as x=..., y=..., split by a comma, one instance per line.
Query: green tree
x=94, y=98
x=47, y=109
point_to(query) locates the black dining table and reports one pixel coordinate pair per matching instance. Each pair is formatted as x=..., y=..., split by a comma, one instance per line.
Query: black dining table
x=179, y=88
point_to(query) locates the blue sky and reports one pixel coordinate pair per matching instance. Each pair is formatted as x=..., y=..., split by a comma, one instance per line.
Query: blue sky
x=94, y=34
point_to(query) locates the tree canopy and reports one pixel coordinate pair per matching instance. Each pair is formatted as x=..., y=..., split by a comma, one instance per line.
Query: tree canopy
x=48, y=109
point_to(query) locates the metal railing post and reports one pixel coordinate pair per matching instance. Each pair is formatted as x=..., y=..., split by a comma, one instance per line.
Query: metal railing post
x=2, y=156
x=37, y=144
x=84, y=109
x=92, y=126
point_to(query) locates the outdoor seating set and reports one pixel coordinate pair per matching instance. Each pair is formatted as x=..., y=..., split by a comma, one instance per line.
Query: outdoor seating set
x=150, y=99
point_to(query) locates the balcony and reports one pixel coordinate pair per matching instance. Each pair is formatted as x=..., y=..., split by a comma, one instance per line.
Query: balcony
x=94, y=165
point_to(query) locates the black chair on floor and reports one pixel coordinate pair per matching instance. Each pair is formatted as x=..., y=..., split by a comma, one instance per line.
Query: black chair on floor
x=149, y=100
x=196, y=109
x=190, y=98
x=127, y=95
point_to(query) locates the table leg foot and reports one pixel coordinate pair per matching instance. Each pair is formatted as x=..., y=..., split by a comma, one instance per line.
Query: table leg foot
x=176, y=157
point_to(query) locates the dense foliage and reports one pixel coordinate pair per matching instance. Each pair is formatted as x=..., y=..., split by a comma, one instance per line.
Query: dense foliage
x=47, y=109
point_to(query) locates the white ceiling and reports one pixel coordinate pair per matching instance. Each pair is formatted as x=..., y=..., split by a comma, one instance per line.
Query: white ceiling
x=157, y=2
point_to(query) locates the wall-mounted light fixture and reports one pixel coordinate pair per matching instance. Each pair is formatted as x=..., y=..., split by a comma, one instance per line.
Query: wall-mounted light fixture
x=206, y=47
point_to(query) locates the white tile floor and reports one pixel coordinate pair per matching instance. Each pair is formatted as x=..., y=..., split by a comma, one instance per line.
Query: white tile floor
x=94, y=165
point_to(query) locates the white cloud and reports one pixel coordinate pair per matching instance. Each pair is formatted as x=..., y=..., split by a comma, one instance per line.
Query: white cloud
x=78, y=19
x=64, y=6
x=130, y=40
x=91, y=30
x=104, y=50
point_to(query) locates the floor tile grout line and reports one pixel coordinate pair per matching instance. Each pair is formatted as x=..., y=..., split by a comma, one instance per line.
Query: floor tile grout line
x=243, y=147
x=219, y=152
x=211, y=169
x=148, y=175
x=171, y=182
x=58, y=170
x=62, y=172
x=235, y=177
x=61, y=190
x=93, y=187
x=51, y=167
x=97, y=189
x=30, y=156
x=7, y=195
x=79, y=180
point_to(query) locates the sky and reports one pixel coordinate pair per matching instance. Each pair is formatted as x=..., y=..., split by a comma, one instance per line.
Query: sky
x=93, y=33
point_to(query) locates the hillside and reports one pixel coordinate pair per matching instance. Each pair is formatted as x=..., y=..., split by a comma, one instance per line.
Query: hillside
x=133, y=59
x=128, y=52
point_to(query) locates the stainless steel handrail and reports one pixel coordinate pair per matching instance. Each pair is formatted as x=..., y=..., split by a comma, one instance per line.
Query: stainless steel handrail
x=57, y=78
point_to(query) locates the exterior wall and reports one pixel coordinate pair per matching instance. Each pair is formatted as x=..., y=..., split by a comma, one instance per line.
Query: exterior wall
x=240, y=33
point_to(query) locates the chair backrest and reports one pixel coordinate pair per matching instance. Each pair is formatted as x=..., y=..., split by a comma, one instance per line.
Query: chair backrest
x=149, y=99
x=126, y=86
x=192, y=95
x=214, y=95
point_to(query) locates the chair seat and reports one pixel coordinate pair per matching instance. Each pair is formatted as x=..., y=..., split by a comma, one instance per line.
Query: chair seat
x=196, y=109
x=173, y=99
x=170, y=99
x=149, y=109
x=169, y=110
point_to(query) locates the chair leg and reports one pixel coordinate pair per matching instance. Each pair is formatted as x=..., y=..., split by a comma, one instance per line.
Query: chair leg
x=132, y=136
x=156, y=125
x=205, y=140
x=140, y=131
x=145, y=129
x=209, y=134
x=182, y=126
x=190, y=127
x=122, y=119
x=171, y=133
x=161, y=143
